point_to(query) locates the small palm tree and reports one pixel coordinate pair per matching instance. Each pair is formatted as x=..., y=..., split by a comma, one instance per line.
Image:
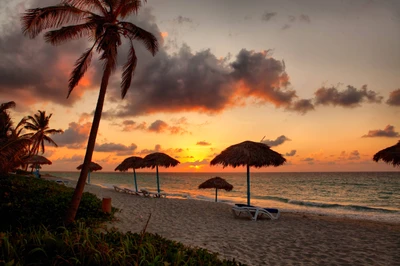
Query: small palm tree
x=99, y=20
x=39, y=123
x=13, y=147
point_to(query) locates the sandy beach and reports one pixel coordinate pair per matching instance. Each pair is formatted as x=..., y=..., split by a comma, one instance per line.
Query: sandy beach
x=293, y=239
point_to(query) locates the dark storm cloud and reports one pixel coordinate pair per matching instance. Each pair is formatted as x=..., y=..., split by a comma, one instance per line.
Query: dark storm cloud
x=118, y=148
x=394, y=98
x=278, y=141
x=291, y=153
x=74, y=137
x=32, y=70
x=267, y=16
x=388, y=132
x=203, y=143
x=350, y=97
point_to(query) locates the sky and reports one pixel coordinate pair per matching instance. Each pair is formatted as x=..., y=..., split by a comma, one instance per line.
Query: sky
x=316, y=80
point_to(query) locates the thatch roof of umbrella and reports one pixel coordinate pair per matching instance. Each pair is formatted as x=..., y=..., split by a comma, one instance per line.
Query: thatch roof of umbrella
x=249, y=153
x=216, y=182
x=92, y=167
x=133, y=162
x=390, y=155
x=159, y=159
x=37, y=159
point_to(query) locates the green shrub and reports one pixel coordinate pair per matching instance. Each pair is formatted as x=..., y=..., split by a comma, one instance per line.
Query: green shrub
x=85, y=246
x=27, y=201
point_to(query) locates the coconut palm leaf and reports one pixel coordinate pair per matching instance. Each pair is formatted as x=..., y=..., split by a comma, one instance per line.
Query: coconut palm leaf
x=81, y=66
x=38, y=19
x=136, y=33
x=128, y=7
x=129, y=71
x=57, y=37
x=94, y=5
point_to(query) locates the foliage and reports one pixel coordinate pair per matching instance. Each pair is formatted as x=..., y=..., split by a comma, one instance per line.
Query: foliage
x=85, y=246
x=39, y=124
x=28, y=201
x=13, y=147
x=31, y=209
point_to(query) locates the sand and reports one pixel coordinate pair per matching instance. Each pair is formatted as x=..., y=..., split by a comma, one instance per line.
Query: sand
x=293, y=239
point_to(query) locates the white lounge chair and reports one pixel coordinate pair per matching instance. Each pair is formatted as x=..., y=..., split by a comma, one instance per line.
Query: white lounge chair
x=255, y=212
x=118, y=189
x=147, y=193
x=132, y=192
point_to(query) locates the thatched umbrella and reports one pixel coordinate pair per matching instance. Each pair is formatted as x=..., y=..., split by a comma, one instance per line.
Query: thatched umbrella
x=390, y=155
x=159, y=159
x=248, y=153
x=37, y=160
x=217, y=183
x=133, y=162
x=92, y=167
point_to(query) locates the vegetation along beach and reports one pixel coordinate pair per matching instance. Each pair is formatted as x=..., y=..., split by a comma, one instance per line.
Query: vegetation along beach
x=199, y=132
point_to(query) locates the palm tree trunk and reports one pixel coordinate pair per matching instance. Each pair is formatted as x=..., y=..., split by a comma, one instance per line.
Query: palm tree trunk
x=76, y=198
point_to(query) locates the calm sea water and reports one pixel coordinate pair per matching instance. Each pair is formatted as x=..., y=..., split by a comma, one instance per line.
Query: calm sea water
x=361, y=195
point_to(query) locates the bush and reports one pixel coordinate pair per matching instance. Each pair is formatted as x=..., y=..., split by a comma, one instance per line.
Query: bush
x=27, y=201
x=85, y=246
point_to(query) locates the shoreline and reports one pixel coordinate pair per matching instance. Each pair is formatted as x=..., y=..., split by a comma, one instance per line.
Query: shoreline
x=292, y=239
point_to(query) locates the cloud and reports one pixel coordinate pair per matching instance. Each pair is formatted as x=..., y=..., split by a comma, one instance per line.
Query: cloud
x=302, y=106
x=157, y=126
x=304, y=18
x=72, y=159
x=291, y=153
x=120, y=149
x=286, y=26
x=201, y=82
x=182, y=20
x=203, y=143
x=354, y=155
x=74, y=137
x=387, y=132
x=308, y=159
x=394, y=98
x=267, y=16
x=157, y=148
x=278, y=141
x=350, y=97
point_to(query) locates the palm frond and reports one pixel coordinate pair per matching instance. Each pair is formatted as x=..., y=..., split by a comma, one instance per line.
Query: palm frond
x=129, y=71
x=53, y=131
x=37, y=19
x=88, y=5
x=111, y=3
x=49, y=140
x=127, y=7
x=81, y=66
x=74, y=32
x=11, y=152
x=137, y=33
x=7, y=105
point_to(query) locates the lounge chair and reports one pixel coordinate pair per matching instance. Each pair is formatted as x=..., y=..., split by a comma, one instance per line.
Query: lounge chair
x=118, y=189
x=255, y=212
x=147, y=193
x=132, y=192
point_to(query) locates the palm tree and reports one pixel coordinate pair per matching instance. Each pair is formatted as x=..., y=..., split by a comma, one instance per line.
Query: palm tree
x=39, y=123
x=13, y=147
x=99, y=20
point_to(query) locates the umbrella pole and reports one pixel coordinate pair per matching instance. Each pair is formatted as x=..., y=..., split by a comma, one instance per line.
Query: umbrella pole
x=134, y=178
x=89, y=177
x=158, y=181
x=216, y=194
x=248, y=185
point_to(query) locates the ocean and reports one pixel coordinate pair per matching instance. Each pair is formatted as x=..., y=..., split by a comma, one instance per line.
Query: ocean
x=359, y=195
